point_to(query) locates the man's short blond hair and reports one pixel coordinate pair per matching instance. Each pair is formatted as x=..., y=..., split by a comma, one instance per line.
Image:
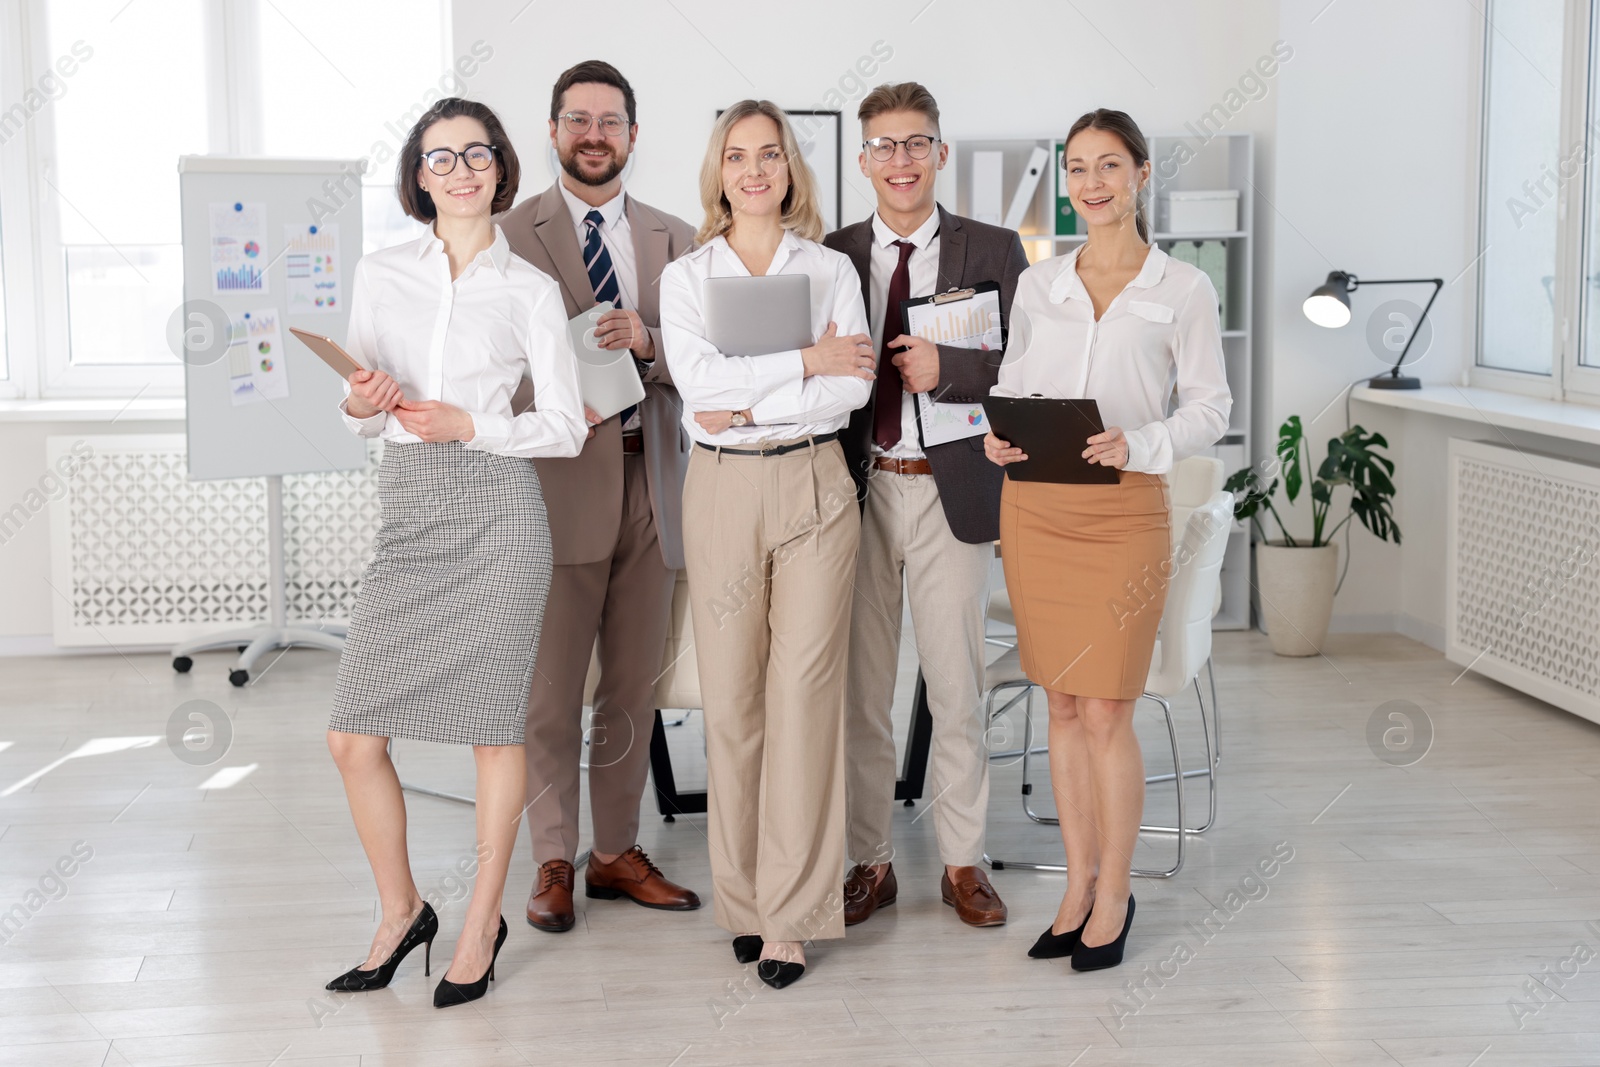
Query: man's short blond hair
x=899, y=96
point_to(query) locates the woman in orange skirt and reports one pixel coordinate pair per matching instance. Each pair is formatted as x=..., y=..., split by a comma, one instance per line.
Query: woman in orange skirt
x=1087, y=566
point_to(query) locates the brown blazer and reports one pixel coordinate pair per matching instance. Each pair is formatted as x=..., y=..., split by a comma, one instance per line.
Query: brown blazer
x=969, y=485
x=583, y=495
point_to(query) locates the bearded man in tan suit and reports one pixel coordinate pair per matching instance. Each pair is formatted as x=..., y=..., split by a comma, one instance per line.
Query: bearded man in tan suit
x=615, y=511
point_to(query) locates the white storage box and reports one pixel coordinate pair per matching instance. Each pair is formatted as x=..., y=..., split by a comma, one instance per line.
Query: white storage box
x=1199, y=211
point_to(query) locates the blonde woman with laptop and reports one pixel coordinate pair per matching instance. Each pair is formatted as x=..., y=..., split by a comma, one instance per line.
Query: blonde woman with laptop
x=770, y=527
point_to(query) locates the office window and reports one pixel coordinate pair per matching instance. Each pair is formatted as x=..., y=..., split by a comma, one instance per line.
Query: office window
x=1522, y=125
x=134, y=100
x=343, y=84
x=1589, y=349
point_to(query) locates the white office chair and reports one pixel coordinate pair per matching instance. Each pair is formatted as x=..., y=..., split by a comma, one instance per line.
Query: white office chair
x=1183, y=647
x=1194, y=482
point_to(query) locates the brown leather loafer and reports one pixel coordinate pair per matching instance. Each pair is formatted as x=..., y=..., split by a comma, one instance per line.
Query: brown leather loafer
x=632, y=875
x=975, y=901
x=862, y=897
x=550, y=906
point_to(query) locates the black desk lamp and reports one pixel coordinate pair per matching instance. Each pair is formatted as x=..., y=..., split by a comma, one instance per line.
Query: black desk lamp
x=1329, y=305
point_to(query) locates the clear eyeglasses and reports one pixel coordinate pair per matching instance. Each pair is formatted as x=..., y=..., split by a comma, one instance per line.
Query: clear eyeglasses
x=579, y=123
x=882, y=148
x=443, y=160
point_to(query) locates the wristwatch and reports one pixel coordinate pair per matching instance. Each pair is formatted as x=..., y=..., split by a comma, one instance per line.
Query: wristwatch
x=738, y=419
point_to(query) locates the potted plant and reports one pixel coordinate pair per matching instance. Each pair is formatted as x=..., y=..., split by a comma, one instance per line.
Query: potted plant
x=1297, y=578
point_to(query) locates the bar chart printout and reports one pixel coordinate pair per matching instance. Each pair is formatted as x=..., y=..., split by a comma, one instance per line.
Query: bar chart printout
x=310, y=259
x=238, y=248
x=971, y=322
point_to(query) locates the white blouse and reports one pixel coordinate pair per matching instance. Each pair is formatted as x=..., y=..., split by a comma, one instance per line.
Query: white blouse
x=468, y=342
x=782, y=401
x=1161, y=330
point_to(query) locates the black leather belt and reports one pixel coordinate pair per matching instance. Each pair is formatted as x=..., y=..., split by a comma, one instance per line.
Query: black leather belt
x=777, y=450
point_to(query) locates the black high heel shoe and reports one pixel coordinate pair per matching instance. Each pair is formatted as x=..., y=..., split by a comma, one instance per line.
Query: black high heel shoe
x=1052, y=946
x=747, y=948
x=422, y=931
x=779, y=973
x=1093, y=958
x=449, y=993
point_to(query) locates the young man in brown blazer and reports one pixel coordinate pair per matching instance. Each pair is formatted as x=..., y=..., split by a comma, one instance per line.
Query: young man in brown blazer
x=615, y=511
x=930, y=515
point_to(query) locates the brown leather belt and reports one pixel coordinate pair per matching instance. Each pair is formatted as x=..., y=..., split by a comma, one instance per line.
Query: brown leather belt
x=903, y=466
x=632, y=444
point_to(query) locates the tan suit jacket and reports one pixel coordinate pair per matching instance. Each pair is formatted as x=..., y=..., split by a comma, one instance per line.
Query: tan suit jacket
x=583, y=495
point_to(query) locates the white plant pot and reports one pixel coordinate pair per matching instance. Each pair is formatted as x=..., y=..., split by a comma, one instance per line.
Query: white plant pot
x=1296, y=586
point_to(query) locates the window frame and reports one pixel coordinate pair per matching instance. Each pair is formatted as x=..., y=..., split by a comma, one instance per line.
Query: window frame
x=37, y=337
x=1568, y=379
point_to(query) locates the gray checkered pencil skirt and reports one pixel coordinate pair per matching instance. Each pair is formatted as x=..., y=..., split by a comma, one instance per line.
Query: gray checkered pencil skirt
x=445, y=628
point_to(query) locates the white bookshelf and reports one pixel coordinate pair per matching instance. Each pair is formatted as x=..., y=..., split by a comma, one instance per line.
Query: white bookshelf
x=1178, y=162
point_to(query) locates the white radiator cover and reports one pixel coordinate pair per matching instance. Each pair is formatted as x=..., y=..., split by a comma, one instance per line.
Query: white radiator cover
x=1523, y=572
x=141, y=555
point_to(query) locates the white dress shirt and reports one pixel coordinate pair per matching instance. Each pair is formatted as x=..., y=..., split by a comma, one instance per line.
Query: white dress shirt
x=617, y=236
x=1160, y=331
x=468, y=342
x=783, y=402
x=923, y=271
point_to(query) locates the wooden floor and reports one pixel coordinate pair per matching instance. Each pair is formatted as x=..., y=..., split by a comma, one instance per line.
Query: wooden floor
x=1417, y=903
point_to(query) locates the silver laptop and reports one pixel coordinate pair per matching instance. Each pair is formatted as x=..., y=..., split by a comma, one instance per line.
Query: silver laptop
x=758, y=316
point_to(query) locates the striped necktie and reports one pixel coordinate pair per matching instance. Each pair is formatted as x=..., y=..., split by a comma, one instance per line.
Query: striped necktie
x=602, y=274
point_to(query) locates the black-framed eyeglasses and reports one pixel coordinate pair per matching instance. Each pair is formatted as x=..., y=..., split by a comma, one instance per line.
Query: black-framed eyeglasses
x=917, y=147
x=579, y=123
x=443, y=160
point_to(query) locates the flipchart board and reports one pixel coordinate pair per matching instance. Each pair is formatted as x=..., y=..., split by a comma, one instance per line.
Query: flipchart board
x=267, y=244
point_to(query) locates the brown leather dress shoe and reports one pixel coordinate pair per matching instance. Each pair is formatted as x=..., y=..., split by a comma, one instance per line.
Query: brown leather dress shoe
x=632, y=875
x=975, y=901
x=862, y=897
x=550, y=906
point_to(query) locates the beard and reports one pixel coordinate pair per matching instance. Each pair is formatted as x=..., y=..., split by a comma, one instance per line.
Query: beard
x=569, y=163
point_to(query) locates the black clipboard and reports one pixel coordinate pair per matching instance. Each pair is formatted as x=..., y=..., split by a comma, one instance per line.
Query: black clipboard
x=1052, y=434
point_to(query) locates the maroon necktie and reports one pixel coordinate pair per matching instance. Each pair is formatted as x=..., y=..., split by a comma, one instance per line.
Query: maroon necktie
x=886, y=410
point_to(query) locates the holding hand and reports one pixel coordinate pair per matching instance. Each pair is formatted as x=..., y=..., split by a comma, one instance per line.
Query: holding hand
x=849, y=356
x=592, y=417
x=623, y=328
x=434, y=421
x=1000, y=452
x=372, y=391
x=1109, y=449
x=919, y=363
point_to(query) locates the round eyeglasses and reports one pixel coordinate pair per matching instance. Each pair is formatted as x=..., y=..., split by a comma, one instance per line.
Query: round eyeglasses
x=882, y=148
x=579, y=123
x=443, y=160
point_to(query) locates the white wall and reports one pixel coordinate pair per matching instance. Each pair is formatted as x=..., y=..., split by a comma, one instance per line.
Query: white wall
x=1019, y=69
x=1374, y=168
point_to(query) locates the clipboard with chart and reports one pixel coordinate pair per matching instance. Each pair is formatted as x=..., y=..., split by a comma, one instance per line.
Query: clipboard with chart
x=962, y=318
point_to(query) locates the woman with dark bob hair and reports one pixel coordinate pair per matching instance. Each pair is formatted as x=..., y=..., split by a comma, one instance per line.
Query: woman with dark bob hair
x=446, y=627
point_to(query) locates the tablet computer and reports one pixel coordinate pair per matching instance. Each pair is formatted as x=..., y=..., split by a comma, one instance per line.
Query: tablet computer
x=758, y=316
x=607, y=379
x=1051, y=433
x=328, y=350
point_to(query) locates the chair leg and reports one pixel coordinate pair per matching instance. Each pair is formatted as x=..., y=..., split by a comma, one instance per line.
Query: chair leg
x=1177, y=779
x=1209, y=772
x=1027, y=787
x=1216, y=709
